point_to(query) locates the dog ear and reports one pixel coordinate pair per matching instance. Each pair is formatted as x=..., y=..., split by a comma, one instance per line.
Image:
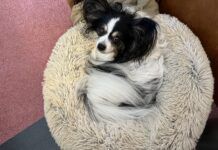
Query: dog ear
x=93, y=10
x=145, y=34
x=117, y=6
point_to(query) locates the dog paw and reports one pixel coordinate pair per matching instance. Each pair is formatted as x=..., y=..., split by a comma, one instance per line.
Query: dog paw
x=140, y=14
x=156, y=55
x=98, y=58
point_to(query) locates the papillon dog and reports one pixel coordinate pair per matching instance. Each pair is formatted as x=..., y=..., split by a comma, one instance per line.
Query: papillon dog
x=122, y=77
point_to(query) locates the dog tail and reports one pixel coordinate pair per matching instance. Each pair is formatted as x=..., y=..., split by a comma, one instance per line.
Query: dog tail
x=117, y=114
x=110, y=98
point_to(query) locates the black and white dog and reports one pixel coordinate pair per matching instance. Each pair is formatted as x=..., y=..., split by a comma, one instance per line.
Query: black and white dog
x=123, y=76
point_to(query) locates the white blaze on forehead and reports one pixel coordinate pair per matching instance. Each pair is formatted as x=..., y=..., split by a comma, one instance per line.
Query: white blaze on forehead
x=111, y=24
x=105, y=38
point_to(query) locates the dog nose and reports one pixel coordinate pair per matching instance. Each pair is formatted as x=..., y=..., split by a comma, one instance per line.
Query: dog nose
x=101, y=47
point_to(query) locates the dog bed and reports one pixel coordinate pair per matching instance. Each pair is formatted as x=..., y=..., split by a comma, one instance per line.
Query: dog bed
x=183, y=102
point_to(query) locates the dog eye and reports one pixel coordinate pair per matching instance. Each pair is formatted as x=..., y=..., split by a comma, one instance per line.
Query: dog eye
x=101, y=31
x=116, y=39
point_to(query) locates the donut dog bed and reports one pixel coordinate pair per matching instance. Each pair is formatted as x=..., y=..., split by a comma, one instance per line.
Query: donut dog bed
x=183, y=101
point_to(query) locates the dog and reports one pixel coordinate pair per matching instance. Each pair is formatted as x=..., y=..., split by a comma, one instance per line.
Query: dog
x=123, y=77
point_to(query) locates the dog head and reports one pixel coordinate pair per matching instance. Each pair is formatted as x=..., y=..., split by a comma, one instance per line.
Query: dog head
x=122, y=36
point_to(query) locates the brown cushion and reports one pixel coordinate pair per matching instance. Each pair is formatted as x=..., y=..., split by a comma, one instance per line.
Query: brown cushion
x=202, y=17
x=72, y=2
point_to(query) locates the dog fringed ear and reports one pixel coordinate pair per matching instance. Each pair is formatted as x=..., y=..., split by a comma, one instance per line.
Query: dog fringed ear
x=117, y=6
x=145, y=35
x=93, y=10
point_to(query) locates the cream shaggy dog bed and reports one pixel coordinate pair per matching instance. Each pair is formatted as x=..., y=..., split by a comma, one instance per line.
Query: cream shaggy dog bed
x=183, y=102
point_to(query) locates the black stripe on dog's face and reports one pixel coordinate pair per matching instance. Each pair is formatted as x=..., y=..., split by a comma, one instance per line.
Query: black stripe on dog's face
x=138, y=38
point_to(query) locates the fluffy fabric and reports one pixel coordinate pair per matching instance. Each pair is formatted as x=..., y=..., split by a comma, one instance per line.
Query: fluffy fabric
x=183, y=102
